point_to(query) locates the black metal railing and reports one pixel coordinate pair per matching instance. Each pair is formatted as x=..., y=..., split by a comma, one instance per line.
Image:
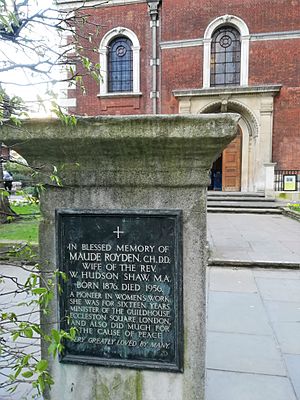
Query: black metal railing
x=280, y=180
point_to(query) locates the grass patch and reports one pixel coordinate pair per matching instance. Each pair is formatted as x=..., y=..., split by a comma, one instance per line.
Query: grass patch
x=294, y=207
x=25, y=229
x=25, y=209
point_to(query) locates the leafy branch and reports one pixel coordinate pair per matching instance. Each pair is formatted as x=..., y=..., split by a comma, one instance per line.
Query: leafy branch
x=19, y=327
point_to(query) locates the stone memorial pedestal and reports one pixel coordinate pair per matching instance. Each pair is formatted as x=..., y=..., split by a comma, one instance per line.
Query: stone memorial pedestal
x=128, y=227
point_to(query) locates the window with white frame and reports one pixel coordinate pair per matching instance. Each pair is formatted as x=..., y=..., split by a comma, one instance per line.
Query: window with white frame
x=226, y=52
x=119, y=63
x=225, y=62
x=119, y=71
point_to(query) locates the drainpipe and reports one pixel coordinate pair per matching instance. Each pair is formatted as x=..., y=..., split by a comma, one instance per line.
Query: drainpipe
x=154, y=62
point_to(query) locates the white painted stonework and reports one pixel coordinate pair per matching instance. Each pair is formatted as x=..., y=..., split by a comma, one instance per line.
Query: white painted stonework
x=241, y=26
x=269, y=178
x=255, y=105
x=103, y=50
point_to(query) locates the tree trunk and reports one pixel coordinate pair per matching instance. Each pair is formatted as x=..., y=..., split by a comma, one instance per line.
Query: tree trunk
x=5, y=209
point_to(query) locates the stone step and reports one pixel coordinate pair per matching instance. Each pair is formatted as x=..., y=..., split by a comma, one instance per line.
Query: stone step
x=243, y=204
x=240, y=202
x=238, y=198
x=212, y=193
x=212, y=262
x=244, y=210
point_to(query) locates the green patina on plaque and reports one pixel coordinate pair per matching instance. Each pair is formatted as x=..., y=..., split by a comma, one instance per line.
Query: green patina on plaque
x=124, y=287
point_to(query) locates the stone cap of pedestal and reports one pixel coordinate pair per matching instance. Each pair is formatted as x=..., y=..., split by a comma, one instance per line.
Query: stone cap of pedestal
x=126, y=150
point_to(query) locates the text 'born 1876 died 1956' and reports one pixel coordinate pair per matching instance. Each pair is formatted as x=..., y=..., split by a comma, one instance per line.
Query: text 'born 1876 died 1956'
x=123, y=292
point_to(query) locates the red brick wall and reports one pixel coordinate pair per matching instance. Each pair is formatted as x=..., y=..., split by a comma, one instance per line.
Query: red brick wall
x=181, y=69
x=134, y=17
x=278, y=62
x=275, y=61
x=189, y=19
x=286, y=138
x=271, y=62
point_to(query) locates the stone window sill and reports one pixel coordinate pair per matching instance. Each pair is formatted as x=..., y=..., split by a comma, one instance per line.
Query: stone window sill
x=119, y=94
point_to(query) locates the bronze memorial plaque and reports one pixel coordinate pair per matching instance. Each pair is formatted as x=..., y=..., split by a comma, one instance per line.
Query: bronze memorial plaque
x=123, y=292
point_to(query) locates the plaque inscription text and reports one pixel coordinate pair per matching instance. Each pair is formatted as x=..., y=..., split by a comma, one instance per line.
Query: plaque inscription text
x=124, y=287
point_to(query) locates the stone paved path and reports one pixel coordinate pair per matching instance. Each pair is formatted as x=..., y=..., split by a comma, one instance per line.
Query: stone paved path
x=253, y=326
x=253, y=238
x=253, y=330
x=253, y=334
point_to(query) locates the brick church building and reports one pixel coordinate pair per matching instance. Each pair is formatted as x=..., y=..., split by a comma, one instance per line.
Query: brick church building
x=205, y=56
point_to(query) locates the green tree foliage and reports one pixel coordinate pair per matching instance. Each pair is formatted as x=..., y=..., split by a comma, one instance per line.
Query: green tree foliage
x=35, y=38
x=40, y=40
x=28, y=292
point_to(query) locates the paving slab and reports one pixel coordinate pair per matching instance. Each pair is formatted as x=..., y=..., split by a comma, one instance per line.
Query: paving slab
x=244, y=361
x=237, y=312
x=252, y=237
x=223, y=385
x=293, y=366
x=232, y=280
x=288, y=336
x=280, y=290
x=276, y=274
x=244, y=353
x=283, y=311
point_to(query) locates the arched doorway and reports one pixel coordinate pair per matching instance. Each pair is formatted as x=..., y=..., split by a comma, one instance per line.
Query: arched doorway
x=226, y=170
x=235, y=170
x=255, y=106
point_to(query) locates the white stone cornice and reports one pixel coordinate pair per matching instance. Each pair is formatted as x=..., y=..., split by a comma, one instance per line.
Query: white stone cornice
x=255, y=37
x=229, y=90
x=286, y=35
x=175, y=44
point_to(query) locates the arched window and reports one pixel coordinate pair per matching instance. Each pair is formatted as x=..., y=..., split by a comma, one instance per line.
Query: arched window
x=225, y=66
x=120, y=66
x=226, y=52
x=120, y=63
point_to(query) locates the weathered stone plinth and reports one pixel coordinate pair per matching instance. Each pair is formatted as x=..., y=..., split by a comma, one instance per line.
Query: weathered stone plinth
x=142, y=162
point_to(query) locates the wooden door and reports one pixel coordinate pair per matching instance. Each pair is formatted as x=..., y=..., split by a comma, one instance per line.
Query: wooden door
x=231, y=165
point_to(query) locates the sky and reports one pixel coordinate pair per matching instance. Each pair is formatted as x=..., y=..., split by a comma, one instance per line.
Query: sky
x=23, y=83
